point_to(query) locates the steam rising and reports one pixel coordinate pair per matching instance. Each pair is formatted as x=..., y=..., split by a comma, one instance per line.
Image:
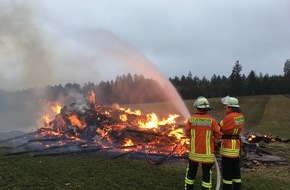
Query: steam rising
x=27, y=59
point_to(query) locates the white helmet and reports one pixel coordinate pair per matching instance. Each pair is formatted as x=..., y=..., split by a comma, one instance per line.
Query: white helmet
x=202, y=103
x=230, y=101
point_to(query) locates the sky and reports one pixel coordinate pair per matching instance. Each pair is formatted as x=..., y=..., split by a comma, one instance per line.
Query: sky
x=52, y=42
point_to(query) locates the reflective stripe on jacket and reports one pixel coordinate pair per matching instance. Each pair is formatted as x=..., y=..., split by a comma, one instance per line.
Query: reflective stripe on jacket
x=232, y=124
x=201, y=128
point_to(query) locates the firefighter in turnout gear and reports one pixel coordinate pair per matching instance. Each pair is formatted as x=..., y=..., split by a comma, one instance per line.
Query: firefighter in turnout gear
x=201, y=129
x=231, y=126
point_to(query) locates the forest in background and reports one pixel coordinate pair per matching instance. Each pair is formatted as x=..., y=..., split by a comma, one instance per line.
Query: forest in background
x=130, y=88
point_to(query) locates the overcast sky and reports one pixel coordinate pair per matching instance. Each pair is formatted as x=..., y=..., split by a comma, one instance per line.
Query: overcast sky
x=51, y=42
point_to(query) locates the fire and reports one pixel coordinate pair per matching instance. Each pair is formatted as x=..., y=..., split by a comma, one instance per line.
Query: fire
x=75, y=121
x=178, y=133
x=56, y=109
x=107, y=127
x=251, y=137
x=123, y=117
x=128, y=142
x=128, y=110
x=46, y=119
x=153, y=122
x=92, y=97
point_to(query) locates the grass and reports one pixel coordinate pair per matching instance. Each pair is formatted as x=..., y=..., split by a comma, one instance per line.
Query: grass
x=88, y=172
x=264, y=114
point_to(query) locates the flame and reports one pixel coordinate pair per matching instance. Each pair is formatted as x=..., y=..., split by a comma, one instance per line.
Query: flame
x=101, y=132
x=128, y=110
x=46, y=119
x=251, y=137
x=128, y=142
x=153, y=122
x=123, y=117
x=56, y=109
x=92, y=97
x=108, y=127
x=178, y=133
x=75, y=121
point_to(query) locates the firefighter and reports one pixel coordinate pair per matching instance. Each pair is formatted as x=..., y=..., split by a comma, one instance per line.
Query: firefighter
x=201, y=129
x=231, y=126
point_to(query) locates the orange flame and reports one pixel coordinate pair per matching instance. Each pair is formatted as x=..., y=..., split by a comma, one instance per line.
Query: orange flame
x=154, y=122
x=56, y=109
x=75, y=121
x=128, y=142
x=92, y=97
x=136, y=112
x=172, y=137
x=123, y=117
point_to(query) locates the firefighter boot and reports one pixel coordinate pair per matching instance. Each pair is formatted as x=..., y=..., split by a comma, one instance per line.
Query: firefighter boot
x=205, y=186
x=237, y=186
x=188, y=187
x=189, y=183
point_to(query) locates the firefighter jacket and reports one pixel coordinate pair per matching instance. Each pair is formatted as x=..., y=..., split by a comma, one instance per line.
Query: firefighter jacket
x=201, y=129
x=232, y=124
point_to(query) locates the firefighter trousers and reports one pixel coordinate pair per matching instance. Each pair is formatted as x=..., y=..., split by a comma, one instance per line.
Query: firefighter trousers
x=191, y=174
x=231, y=173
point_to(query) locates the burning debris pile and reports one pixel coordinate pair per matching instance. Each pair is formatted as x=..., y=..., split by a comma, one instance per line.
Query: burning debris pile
x=115, y=131
x=257, y=150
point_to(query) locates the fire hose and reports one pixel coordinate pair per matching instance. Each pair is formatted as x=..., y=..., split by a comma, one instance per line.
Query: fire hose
x=218, y=174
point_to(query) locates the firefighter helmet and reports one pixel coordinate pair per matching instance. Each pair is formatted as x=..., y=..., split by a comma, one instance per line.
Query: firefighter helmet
x=230, y=101
x=202, y=103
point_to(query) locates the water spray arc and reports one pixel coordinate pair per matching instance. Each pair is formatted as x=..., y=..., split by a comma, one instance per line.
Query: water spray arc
x=129, y=56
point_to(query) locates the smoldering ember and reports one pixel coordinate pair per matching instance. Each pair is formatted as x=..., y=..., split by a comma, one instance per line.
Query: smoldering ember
x=118, y=132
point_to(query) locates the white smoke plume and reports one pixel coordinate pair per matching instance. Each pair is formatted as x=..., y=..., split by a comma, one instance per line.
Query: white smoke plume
x=25, y=56
x=31, y=56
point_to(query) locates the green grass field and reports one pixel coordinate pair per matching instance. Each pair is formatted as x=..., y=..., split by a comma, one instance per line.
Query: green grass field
x=90, y=172
x=263, y=114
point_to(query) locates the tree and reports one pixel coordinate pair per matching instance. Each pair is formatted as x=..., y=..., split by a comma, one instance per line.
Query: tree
x=252, y=84
x=236, y=79
x=287, y=68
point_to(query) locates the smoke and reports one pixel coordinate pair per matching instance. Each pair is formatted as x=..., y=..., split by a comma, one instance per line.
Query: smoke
x=32, y=56
x=25, y=59
x=119, y=55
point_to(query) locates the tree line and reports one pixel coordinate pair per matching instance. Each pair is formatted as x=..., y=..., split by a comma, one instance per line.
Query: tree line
x=235, y=85
x=138, y=89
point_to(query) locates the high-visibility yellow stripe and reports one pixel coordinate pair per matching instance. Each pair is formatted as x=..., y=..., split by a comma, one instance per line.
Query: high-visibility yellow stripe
x=229, y=152
x=227, y=182
x=239, y=120
x=235, y=131
x=234, y=142
x=188, y=181
x=192, y=141
x=208, y=138
x=202, y=157
x=206, y=185
x=201, y=121
x=237, y=180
